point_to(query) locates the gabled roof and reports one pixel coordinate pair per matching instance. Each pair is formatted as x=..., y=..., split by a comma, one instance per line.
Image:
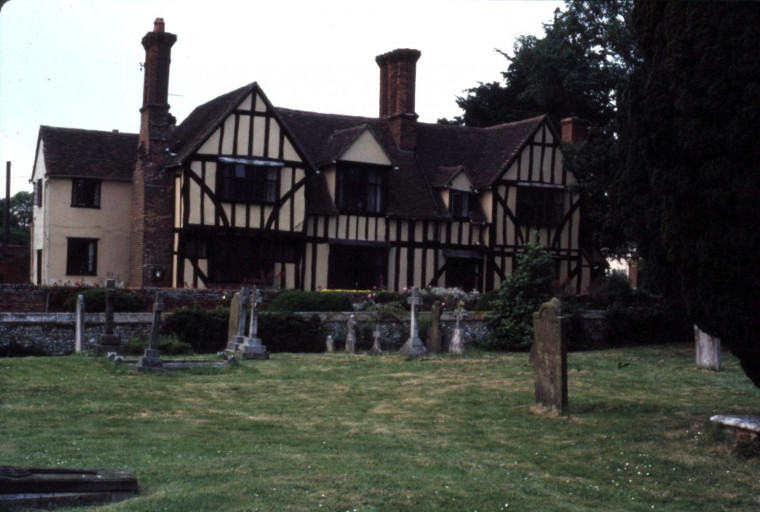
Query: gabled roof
x=75, y=153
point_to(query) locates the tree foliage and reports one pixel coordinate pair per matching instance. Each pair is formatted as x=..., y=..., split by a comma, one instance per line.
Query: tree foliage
x=576, y=69
x=689, y=187
x=20, y=217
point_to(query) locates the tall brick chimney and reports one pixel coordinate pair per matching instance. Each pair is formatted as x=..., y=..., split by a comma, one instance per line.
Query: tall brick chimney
x=574, y=129
x=150, y=243
x=398, y=74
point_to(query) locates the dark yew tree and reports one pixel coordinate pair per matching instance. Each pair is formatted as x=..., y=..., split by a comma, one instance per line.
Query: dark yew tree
x=689, y=186
x=576, y=69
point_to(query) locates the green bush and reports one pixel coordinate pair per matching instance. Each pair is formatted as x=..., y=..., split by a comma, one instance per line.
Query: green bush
x=167, y=345
x=205, y=330
x=283, y=332
x=95, y=301
x=519, y=297
x=309, y=301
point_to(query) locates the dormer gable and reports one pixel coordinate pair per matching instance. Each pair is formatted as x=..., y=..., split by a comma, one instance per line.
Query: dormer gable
x=357, y=144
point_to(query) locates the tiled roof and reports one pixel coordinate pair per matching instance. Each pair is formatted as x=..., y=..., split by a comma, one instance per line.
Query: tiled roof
x=70, y=152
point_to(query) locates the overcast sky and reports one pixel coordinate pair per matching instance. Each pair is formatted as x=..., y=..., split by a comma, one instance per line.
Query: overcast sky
x=76, y=63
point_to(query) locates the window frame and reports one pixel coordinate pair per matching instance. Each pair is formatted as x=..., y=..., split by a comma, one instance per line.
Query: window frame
x=540, y=204
x=38, y=193
x=357, y=185
x=465, y=198
x=85, y=193
x=74, y=267
x=248, y=182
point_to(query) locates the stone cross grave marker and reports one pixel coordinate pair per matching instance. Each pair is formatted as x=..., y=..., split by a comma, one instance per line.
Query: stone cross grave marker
x=457, y=338
x=351, y=334
x=708, y=351
x=550, y=357
x=108, y=340
x=151, y=358
x=414, y=346
x=251, y=347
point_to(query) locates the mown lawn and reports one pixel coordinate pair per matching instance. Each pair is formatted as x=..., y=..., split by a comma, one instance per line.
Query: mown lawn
x=341, y=432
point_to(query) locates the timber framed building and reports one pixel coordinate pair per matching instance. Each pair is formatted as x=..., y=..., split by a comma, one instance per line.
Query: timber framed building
x=245, y=192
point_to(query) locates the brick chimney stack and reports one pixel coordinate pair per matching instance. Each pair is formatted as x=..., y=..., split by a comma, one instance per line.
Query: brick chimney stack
x=150, y=243
x=398, y=74
x=574, y=129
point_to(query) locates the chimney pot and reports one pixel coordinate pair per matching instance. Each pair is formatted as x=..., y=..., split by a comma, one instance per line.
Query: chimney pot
x=158, y=25
x=398, y=71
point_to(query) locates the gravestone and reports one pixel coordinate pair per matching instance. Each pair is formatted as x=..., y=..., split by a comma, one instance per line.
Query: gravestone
x=351, y=334
x=457, y=338
x=434, y=333
x=414, y=346
x=151, y=359
x=109, y=341
x=550, y=357
x=79, y=330
x=238, y=314
x=330, y=344
x=377, y=348
x=36, y=488
x=708, y=350
x=251, y=347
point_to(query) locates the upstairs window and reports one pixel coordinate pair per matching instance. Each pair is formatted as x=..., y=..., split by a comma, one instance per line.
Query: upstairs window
x=459, y=203
x=82, y=257
x=248, y=182
x=361, y=188
x=85, y=193
x=38, y=193
x=539, y=205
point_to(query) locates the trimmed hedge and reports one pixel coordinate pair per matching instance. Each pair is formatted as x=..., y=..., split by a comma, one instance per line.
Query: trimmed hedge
x=310, y=301
x=283, y=332
x=95, y=301
x=205, y=330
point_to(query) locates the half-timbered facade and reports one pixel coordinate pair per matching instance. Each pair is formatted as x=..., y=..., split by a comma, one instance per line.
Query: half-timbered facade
x=253, y=193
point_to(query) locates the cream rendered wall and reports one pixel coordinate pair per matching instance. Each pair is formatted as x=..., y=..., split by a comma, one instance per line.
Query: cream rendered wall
x=109, y=224
x=365, y=149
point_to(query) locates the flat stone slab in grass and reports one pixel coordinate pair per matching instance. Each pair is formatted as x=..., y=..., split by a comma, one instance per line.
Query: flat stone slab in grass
x=32, y=488
x=749, y=423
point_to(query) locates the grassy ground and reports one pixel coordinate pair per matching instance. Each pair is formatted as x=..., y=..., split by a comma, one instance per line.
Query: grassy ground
x=344, y=432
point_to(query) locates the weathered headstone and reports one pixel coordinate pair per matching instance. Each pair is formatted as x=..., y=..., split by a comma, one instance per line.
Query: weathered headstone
x=457, y=338
x=708, y=350
x=109, y=341
x=238, y=315
x=330, y=344
x=550, y=357
x=434, y=333
x=351, y=334
x=377, y=348
x=79, y=330
x=151, y=359
x=251, y=347
x=414, y=346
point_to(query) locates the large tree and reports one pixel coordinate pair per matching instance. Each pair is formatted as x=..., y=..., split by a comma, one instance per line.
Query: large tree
x=689, y=186
x=576, y=69
x=20, y=220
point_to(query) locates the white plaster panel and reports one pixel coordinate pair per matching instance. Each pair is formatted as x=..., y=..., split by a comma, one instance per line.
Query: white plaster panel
x=211, y=145
x=259, y=131
x=247, y=103
x=244, y=128
x=366, y=149
x=274, y=140
x=260, y=105
x=229, y=135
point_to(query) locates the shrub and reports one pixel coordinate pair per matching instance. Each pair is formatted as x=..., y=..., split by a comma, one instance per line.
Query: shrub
x=95, y=301
x=308, y=301
x=205, y=330
x=519, y=297
x=167, y=345
x=283, y=332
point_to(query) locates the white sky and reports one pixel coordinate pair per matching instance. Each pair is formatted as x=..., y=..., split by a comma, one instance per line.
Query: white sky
x=76, y=63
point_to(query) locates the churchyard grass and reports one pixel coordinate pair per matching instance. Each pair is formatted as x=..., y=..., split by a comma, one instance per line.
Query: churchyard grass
x=340, y=432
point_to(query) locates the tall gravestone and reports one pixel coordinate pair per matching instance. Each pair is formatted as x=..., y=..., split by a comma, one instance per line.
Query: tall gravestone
x=377, y=348
x=708, y=351
x=434, y=333
x=80, y=325
x=351, y=334
x=550, y=357
x=151, y=359
x=414, y=346
x=108, y=341
x=251, y=347
x=238, y=313
x=457, y=338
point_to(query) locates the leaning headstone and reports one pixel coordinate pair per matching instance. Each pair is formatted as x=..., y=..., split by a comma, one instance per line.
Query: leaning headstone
x=79, y=331
x=414, y=346
x=351, y=334
x=708, y=350
x=109, y=341
x=550, y=357
x=251, y=347
x=457, y=338
x=329, y=344
x=377, y=348
x=238, y=315
x=434, y=333
x=152, y=356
